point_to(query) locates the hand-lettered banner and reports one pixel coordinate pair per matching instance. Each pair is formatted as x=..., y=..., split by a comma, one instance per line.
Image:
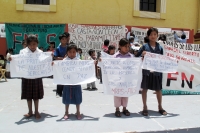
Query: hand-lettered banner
x=105, y=55
x=74, y=72
x=159, y=63
x=121, y=76
x=187, y=77
x=92, y=37
x=140, y=34
x=46, y=33
x=31, y=65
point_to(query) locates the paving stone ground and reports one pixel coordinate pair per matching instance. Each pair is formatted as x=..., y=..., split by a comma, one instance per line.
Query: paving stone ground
x=98, y=113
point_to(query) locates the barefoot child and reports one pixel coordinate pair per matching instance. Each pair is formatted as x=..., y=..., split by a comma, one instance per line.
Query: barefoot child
x=32, y=89
x=151, y=80
x=123, y=52
x=72, y=94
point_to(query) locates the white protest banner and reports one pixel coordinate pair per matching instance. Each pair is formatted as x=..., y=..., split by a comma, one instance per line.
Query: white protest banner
x=164, y=30
x=159, y=63
x=140, y=34
x=105, y=55
x=187, y=76
x=121, y=76
x=169, y=36
x=31, y=65
x=2, y=31
x=167, y=32
x=92, y=37
x=74, y=72
x=179, y=33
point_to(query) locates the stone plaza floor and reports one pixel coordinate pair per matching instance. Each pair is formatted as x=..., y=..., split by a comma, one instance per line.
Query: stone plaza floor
x=98, y=113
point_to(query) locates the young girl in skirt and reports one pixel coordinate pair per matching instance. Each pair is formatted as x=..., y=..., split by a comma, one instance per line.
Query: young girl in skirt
x=32, y=89
x=72, y=94
x=123, y=52
x=151, y=80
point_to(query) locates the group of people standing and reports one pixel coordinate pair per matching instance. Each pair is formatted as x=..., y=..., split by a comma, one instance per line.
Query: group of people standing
x=32, y=89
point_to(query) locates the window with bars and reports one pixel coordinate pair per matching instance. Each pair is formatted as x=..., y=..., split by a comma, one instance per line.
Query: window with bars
x=148, y=5
x=39, y=2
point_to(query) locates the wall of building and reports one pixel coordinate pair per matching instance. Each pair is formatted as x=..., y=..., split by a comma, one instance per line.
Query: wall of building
x=180, y=14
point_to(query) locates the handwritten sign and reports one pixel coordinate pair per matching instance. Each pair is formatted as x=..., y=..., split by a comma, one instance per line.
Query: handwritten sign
x=160, y=63
x=187, y=76
x=92, y=37
x=105, y=55
x=140, y=34
x=74, y=72
x=31, y=65
x=121, y=76
x=179, y=33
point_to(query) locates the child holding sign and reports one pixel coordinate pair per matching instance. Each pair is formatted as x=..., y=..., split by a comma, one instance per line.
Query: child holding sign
x=60, y=53
x=123, y=52
x=151, y=80
x=72, y=94
x=32, y=89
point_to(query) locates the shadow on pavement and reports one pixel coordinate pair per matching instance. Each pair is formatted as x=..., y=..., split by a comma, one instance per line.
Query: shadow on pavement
x=3, y=81
x=32, y=119
x=132, y=115
x=72, y=117
x=156, y=114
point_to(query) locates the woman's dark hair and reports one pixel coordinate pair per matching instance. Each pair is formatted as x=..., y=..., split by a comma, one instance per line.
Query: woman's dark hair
x=131, y=34
x=61, y=36
x=151, y=30
x=32, y=38
x=79, y=49
x=67, y=34
x=123, y=42
x=91, y=51
x=162, y=37
x=111, y=47
x=146, y=39
x=2, y=57
x=53, y=44
x=183, y=36
x=131, y=38
x=72, y=46
x=106, y=42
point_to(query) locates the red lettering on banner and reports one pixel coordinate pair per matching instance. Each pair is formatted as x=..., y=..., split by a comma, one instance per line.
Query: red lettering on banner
x=15, y=39
x=183, y=78
x=49, y=36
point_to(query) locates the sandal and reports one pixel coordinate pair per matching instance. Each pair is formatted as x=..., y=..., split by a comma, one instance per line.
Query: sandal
x=66, y=116
x=145, y=113
x=78, y=117
x=37, y=116
x=117, y=113
x=28, y=115
x=162, y=112
x=126, y=112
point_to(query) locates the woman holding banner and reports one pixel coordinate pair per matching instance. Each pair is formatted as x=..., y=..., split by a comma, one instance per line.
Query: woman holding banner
x=32, y=88
x=151, y=80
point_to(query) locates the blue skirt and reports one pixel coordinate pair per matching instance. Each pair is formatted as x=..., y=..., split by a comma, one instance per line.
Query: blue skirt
x=72, y=94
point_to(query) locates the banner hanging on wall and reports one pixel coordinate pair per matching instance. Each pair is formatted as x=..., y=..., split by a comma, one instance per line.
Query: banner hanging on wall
x=16, y=33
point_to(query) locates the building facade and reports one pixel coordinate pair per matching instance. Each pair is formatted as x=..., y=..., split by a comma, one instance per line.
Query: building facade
x=180, y=14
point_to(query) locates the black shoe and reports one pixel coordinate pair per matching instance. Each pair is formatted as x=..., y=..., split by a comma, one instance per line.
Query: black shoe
x=88, y=88
x=140, y=92
x=94, y=89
